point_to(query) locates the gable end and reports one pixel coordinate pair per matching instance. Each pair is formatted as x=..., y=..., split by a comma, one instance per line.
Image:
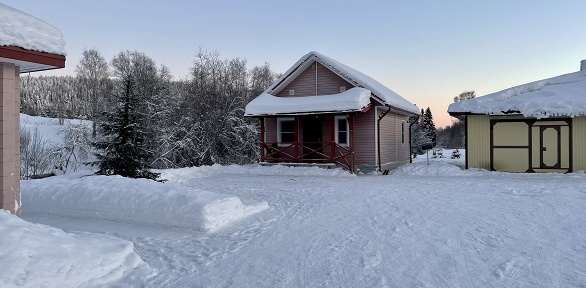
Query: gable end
x=316, y=79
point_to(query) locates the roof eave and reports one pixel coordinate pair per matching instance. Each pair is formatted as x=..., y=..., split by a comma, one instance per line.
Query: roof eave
x=401, y=111
x=31, y=61
x=504, y=113
x=364, y=109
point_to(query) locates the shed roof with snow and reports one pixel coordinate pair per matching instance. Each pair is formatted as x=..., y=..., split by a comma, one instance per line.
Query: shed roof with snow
x=354, y=99
x=564, y=95
x=28, y=42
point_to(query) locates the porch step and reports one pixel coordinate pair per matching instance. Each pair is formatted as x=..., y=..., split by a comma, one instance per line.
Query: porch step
x=320, y=165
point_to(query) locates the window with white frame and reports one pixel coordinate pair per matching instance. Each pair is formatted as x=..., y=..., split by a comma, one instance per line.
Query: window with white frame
x=286, y=130
x=342, y=130
x=403, y=132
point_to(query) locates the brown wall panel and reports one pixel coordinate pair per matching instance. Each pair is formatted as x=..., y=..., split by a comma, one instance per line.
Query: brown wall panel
x=392, y=150
x=305, y=84
x=364, y=152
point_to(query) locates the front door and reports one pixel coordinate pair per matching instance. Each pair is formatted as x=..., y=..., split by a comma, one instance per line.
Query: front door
x=551, y=147
x=550, y=152
x=312, y=139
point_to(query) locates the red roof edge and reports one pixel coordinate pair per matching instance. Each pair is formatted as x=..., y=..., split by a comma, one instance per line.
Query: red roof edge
x=17, y=53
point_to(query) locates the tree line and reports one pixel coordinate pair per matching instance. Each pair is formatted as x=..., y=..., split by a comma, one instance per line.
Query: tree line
x=423, y=130
x=454, y=136
x=187, y=122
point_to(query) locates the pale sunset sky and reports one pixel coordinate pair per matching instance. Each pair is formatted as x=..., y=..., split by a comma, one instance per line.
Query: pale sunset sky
x=426, y=51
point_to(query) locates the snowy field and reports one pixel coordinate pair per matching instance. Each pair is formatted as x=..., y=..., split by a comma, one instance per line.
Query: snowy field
x=421, y=226
x=252, y=226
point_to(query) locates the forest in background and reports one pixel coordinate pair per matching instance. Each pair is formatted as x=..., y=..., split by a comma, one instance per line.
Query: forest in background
x=187, y=122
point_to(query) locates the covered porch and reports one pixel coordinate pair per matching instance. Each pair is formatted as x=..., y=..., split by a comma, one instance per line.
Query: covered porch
x=319, y=139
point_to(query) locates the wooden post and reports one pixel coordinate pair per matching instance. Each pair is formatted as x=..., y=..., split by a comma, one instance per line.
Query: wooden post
x=333, y=138
x=296, y=140
x=262, y=139
x=350, y=119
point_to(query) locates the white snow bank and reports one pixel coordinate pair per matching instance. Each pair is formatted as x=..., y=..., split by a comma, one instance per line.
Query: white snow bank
x=138, y=201
x=181, y=174
x=35, y=255
x=23, y=30
x=558, y=96
x=354, y=99
x=435, y=168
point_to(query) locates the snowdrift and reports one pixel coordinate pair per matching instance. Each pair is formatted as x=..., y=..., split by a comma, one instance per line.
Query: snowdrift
x=435, y=168
x=34, y=255
x=182, y=175
x=136, y=201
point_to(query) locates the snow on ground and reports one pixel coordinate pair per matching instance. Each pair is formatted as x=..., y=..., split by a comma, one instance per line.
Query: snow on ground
x=35, y=255
x=434, y=168
x=49, y=128
x=139, y=201
x=421, y=226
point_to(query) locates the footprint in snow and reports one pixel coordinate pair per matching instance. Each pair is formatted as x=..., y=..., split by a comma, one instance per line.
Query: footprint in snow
x=510, y=268
x=371, y=260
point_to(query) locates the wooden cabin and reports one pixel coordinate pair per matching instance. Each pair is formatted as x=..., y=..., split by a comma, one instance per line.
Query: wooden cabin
x=323, y=112
x=535, y=127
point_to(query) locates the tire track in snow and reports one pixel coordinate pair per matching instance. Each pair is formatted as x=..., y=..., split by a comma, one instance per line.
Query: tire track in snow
x=494, y=230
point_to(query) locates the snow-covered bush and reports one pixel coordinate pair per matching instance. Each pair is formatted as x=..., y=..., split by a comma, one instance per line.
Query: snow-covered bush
x=36, y=155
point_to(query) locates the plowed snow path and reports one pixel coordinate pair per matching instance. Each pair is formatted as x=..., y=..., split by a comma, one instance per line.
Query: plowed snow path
x=479, y=230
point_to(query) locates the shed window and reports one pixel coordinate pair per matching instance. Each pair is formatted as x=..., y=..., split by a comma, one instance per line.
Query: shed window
x=286, y=130
x=342, y=131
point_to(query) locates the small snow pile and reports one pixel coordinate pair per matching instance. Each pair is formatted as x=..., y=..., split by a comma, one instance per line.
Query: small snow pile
x=35, y=255
x=137, y=201
x=435, y=168
x=181, y=174
x=25, y=31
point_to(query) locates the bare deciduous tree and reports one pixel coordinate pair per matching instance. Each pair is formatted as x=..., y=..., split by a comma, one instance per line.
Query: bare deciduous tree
x=93, y=84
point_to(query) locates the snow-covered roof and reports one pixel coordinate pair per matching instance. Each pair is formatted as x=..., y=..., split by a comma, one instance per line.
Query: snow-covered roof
x=355, y=99
x=563, y=95
x=28, y=32
x=358, y=79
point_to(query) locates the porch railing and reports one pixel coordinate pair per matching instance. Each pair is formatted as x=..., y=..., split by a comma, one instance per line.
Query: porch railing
x=308, y=152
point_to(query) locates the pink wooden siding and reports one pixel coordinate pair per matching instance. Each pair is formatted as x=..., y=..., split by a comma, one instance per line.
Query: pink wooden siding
x=364, y=150
x=270, y=129
x=271, y=132
x=304, y=85
x=392, y=150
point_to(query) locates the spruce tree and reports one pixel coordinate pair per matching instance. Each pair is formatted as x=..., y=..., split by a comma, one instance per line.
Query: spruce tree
x=428, y=126
x=417, y=135
x=123, y=148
